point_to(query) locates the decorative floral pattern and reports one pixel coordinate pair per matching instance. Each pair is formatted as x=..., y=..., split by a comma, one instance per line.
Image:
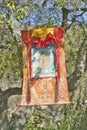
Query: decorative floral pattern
x=43, y=91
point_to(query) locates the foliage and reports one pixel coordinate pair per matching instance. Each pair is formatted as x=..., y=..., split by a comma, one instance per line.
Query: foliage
x=36, y=121
x=11, y=61
x=12, y=15
x=72, y=36
x=39, y=121
x=9, y=67
x=12, y=11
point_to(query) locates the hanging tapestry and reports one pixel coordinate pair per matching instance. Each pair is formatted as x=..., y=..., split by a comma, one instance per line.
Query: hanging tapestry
x=44, y=69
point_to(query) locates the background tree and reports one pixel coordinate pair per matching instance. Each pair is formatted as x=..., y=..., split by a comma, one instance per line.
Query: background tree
x=24, y=14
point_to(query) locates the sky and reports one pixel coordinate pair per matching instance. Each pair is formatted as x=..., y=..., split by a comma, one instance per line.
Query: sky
x=41, y=15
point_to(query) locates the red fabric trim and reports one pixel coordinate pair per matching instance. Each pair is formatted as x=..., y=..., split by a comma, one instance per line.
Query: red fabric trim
x=43, y=42
x=58, y=60
x=58, y=33
x=27, y=37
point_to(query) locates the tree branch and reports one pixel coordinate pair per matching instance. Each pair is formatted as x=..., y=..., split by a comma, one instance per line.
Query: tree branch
x=5, y=95
x=74, y=79
x=66, y=11
x=11, y=30
x=77, y=9
x=74, y=20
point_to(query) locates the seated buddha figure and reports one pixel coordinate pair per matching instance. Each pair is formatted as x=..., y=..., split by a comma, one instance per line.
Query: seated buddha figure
x=44, y=61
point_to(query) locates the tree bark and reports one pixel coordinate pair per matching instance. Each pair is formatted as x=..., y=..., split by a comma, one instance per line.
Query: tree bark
x=74, y=79
x=4, y=96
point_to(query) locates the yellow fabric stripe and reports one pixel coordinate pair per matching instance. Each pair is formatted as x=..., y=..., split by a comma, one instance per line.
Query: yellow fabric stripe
x=42, y=32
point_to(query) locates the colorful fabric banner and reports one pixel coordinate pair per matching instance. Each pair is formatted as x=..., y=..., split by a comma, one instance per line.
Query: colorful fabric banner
x=44, y=70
